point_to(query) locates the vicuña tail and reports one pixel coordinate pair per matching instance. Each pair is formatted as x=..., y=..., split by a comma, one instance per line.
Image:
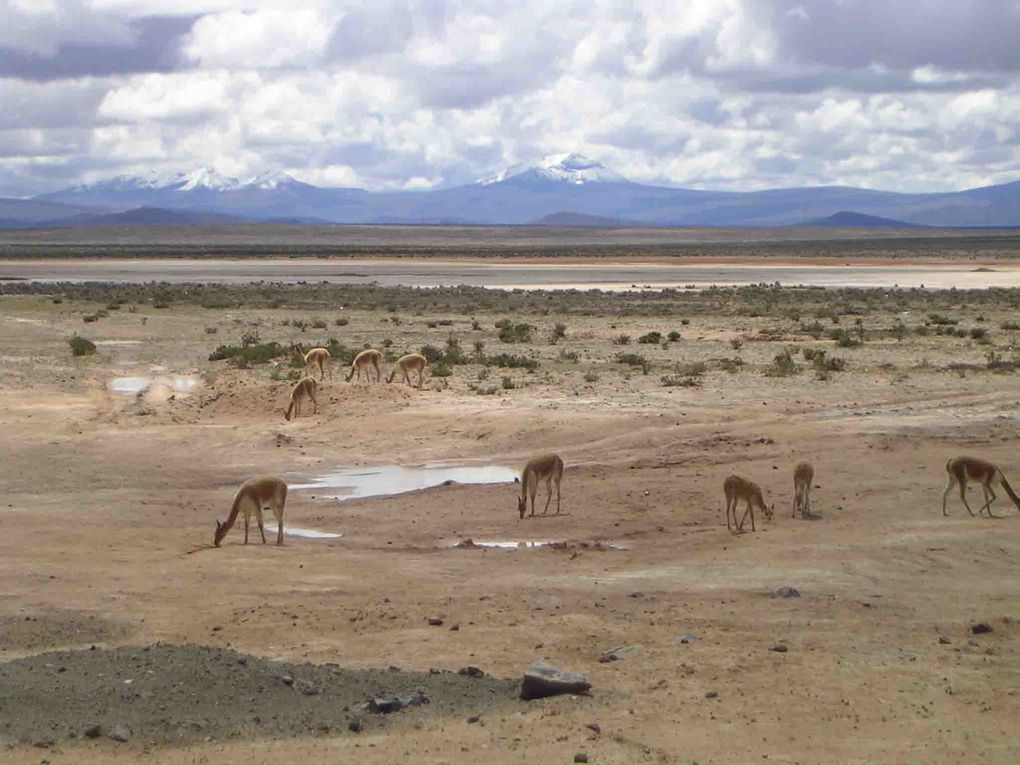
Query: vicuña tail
x=1009, y=490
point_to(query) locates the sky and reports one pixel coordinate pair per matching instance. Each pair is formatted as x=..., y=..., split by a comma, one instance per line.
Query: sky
x=908, y=95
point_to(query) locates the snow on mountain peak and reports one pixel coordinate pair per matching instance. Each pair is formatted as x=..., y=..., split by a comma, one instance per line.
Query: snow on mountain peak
x=570, y=168
x=204, y=178
x=270, y=180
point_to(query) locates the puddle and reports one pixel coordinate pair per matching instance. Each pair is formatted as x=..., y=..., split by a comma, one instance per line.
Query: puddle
x=293, y=531
x=117, y=342
x=386, y=480
x=134, y=385
x=36, y=322
x=528, y=544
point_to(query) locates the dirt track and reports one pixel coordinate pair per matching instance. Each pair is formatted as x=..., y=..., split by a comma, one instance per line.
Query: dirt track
x=110, y=502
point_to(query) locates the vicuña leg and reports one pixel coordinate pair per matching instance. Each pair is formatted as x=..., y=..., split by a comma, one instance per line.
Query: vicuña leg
x=945, y=494
x=278, y=513
x=963, y=496
x=548, y=494
x=247, y=518
x=558, y=478
x=258, y=518
x=988, y=490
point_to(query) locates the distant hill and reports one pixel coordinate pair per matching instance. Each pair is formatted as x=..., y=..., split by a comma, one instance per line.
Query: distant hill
x=851, y=219
x=145, y=216
x=22, y=213
x=580, y=219
x=562, y=189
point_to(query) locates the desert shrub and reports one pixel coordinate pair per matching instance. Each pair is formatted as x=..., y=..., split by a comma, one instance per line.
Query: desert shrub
x=899, y=330
x=432, y=354
x=844, y=339
x=941, y=320
x=811, y=353
x=783, y=365
x=511, y=361
x=81, y=346
x=824, y=364
x=514, y=333
x=319, y=323
x=250, y=337
x=453, y=353
x=731, y=365
x=113, y=306
x=630, y=359
x=441, y=369
x=299, y=324
x=736, y=343
x=977, y=333
x=559, y=330
x=691, y=369
x=1010, y=325
x=570, y=356
x=621, y=340
x=685, y=322
x=678, y=381
x=673, y=336
x=259, y=353
x=342, y=322
x=89, y=318
x=211, y=330
x=508, y=383
x=57, y=300
x=815, y=329
x=591, y=376
x=476, y=325
x=651, y=338
x=479, y=346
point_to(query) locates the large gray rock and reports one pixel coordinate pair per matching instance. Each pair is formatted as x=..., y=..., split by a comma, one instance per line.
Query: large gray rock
x=541, y=680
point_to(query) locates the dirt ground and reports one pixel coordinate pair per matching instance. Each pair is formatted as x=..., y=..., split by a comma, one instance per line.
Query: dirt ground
x=109, y=502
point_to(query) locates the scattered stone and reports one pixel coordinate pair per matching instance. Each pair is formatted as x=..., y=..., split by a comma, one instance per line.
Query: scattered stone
x=473, y=719
x=712, y=695
x=435, y=621
x=595, y=728
x=393, y=703
x=305, y=687
x=466, y=543
x=94, y=731
x=287, y=680
x=636, y=595
x=780, y=648
x=981, y=628
x=787, y=592
x=580, y=757
x=119, y=733
x=242, y=660
x=355, y=725
x=541, y=680
x=685, y=639
x=471, y=671
x=455, y=628
x=944, y=640
x=620, y=652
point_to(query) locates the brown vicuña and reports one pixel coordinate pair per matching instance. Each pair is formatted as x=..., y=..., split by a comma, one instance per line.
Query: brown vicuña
x=803, y=475
x=254, y=494
x=369, y=357
x=304, y=389
x=412, y=362
x=964, y=469
x=548, y=467
x=739, y=488
x=319, y=357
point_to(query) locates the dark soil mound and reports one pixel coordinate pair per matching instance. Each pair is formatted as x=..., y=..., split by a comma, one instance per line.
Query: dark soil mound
x=167, y=693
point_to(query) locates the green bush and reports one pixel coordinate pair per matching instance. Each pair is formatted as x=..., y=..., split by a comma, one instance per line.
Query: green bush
x=673, y=336
x=260, y=353
x=510, y=361
x=81, y=346
x=941, y=319
x=651, y=338
x=508, y=383
x=441, y=369
x=678, y=381
x=621, y=340
x=783, y=365
x=631, y=359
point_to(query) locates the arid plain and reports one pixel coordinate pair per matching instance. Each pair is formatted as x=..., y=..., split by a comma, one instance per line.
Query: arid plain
x=116, y=465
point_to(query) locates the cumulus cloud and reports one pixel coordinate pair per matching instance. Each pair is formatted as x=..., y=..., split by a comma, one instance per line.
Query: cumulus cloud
x=410, y=94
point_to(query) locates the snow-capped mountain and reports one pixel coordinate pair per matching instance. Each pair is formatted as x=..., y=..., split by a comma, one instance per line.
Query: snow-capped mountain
x=562, y=187
x=570, y=168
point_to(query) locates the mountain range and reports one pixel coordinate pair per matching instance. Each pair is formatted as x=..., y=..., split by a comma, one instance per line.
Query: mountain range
x=565, y=189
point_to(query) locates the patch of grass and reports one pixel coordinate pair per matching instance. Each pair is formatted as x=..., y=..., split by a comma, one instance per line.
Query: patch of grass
x=631, y=359
x=844, y=339
x=511, y=361
x=691, y=369
x=591, y=376
x=81, y=346
x=342, y=322
x=508, y=383
x=978, y=333
x=679, y=381
x=651, y=338
x=258, y=353
x=621, y=340
x=570, y=356
x=941, y=320
x=441, y=369
x=732, y=366
x=673, y=336
x=1010, y=325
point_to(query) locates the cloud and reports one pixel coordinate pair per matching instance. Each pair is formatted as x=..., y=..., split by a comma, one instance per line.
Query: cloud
x=394, y=94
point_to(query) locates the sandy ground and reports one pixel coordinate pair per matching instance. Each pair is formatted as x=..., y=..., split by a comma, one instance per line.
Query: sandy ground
x=109, y=504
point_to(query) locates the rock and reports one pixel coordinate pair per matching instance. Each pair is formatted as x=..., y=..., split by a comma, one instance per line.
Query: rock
x=685, y=639
x=780, y=648
x=435, y=621
x=393, y=703
x=355, y=725
x=119, y=733
x=455, y=628
x=981, y=628
x=712, y=695
x=470, y=671
x=594, y=727
x=944, y=640
x=242, y=660
x=305, y=687
x=94, y=731
x=787, y=592
x=580, y=757
x=620, y=652
x=541, y=680
x=287, y=680
x=466, y=543
x=473, y=719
